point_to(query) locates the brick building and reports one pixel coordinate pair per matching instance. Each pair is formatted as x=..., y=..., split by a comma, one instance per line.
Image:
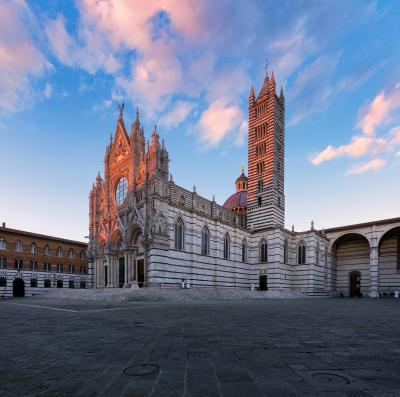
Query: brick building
x=144, y=229
x=31, y=262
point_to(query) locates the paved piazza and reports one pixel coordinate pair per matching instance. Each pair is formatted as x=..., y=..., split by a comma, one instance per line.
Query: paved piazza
x=271, y=347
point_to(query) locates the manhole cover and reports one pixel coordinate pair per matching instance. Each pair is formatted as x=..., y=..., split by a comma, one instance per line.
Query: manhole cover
x=141, y=370
x=330, y=379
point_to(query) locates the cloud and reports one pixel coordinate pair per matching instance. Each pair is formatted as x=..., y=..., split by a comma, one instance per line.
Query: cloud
x=217, y=121
x=48, y=90
x=241, y=135
x=178, y=114
x=373, y=165
x=359, y=146
x=94, y=55
x=21, y=62
x=378, y=112
x=398, y=154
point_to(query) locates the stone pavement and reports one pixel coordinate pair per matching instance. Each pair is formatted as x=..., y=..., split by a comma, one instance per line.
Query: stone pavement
x=296, y=347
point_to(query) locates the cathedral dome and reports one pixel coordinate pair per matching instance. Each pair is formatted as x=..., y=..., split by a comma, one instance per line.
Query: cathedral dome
x=237, y=201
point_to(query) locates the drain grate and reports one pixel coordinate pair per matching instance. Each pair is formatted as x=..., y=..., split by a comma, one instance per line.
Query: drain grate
x=330, y=379
x=141, y=370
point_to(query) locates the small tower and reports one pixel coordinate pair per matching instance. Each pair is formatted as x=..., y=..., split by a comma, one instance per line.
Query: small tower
x=266, y=139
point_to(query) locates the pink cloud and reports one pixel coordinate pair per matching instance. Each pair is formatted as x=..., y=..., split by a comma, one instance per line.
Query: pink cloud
x=358, y=147
x=379, y=111
x=217, y=121
x=21, y=61
x=178, y=114
x=373, y=165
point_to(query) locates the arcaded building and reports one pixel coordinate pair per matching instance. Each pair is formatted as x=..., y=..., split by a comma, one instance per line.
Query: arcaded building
x=31, y=263
x=147, y=230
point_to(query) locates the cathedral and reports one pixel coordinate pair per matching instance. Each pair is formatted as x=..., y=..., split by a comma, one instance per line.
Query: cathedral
x=145, y=230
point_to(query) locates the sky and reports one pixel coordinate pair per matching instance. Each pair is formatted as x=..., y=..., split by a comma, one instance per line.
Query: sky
x=189, y=66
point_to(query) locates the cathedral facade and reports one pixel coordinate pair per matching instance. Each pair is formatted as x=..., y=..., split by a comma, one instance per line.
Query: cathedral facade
x=145, y=230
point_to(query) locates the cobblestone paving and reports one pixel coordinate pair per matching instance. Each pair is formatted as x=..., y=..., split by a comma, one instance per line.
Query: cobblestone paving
x=305, y=347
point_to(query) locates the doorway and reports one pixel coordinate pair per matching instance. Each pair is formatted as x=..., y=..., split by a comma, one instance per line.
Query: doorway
x=140, y=272
x=105, y=275
x=263, y=282
x=355, y=284
x=18, y=288
x=121, y=272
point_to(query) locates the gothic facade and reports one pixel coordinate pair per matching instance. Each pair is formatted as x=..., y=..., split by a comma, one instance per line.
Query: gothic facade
x=146, y=230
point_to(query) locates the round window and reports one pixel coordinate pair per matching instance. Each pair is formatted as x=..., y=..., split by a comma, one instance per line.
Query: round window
x=121, y=191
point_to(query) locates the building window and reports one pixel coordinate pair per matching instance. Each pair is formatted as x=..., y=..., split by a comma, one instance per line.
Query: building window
x=244, y=251
x=71, y=268
x=3, y=263
x=260, y=186
x=47, y=267
x=71, y=253
x=227, y=246
x=3, y=244
x=3, y=282
x=71, y=284
x=82, y=255
x=83, y=284
x=259, y=201
x=263, y=251
x=285, y=251
x=205, y=241
x=18, y=264
x=33, y=283
x=46, y=250
x=59, y=252
x=317, y=254
x=59, y=268
x=59, y=284
x=18, y=246
x=34, y=266
x=33, y=248
x=47, y=283
x=121, y=191
x=179, y=235
x=301, y=254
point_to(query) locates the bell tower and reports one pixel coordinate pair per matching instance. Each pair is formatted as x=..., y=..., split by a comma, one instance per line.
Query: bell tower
x=266, y=150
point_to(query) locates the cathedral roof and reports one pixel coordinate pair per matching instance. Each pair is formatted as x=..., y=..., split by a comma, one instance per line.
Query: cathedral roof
x=237, y=200
x=242, y=177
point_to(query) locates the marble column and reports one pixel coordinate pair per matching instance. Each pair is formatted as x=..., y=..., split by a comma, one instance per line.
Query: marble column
x=374, y=273
x=126, y=267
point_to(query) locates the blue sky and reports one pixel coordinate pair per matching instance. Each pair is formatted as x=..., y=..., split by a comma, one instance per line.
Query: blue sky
x=189, y=66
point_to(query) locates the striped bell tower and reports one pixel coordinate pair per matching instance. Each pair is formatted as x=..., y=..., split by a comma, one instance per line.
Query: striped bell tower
x=266, y=150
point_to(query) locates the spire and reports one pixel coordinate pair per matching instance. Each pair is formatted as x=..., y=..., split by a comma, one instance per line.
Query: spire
x=251, y=96
x=265, y=87
x=272, y=83
x=281, y=95
x=121, y=111
x=242, y=168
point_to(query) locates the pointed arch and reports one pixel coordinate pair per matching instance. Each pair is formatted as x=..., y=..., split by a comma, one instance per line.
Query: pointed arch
x=18, y=246
x=301, y=253
x=263, y=251
x=227, y=246
x=179, y=235
x=244, y=250
x=205, y=241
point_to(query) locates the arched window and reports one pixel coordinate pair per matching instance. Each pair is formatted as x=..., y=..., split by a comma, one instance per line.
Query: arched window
x=33, y=283
x=71, y=253
x=18, y=264
x=33, y=248
x=3, y=244
x=82, y=255
x=18, y=246
x=285, y=251
x=317, y=254
x=83, y=284
x=59, y=252
x=301, y=254
x=205, y=241
x=71, y=284
x=182, y=201
x=179, y=235
x=263, y=251
x=46, y=250
x=3, y=282
x=47, y=283
x=244, y=251
x=3, y=263
x=227, y=246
